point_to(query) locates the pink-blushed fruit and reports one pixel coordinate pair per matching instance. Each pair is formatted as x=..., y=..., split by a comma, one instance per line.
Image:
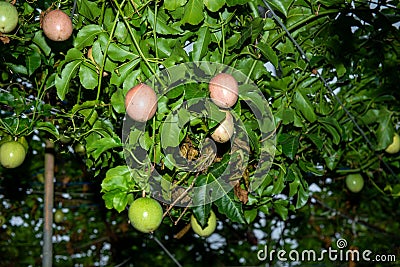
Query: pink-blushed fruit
x=141, y=102
x=224, y=90
x=57, y=25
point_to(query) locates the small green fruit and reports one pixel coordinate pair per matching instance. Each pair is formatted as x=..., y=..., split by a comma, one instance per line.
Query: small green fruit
x=2, y=220
x=394, y=147
x=210, y=227
x=12, y=154
x=58, y=216
x=354, y=182
x=8, y=17
x=145, y=214
x=80, y=149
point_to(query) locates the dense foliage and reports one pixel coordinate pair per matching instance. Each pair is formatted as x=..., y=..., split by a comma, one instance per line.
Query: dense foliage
x=310, y=111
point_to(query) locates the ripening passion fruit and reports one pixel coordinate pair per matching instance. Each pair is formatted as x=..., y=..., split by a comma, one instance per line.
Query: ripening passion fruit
x=224, y=131
x=208, y=229
x=8, y=17
x=57, y=26
x=224, y=90
x=141, y=102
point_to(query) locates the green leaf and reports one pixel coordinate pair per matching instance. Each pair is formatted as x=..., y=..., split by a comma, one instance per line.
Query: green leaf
x=118, y=101
x=269, y=53
x=40, y=41
x=290, y=144
x=316, y=140
x=282, y=5
x=120, y=201
x=117, y=178
x=332, y=127
x=173, y=4
x=32, y=61
x=236, y=2
x=88, y=77
x=203, y=207
x=67, y=74
x=385, y=131
x=303, y=104
x=86, y=35
x=119, y=75
x=160, y=24
x=48, y=127
x=98, y=147
x=250, y=215
x=72, y=55
x=331, y=2
x=231, y=208
x=214, y=5
x=279, y=183
x=280, y=207
x=193, y=12
x=200, y=46
x=118, y=53
x=88, y=9
x=170, y=132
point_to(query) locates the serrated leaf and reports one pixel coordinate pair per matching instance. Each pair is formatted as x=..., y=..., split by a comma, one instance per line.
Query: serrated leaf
x=68, y=73
x=200, y=46
x=86, y=35
x=88, y=77
x=303, y=104
x=231, y=208
x=214, y=5
x=193, y=12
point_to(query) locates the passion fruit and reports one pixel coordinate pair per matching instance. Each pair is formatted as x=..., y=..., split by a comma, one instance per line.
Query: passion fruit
x=8, y=17
x=224, y=131
x=141, y=102
x=224, y=90
x=57, y=25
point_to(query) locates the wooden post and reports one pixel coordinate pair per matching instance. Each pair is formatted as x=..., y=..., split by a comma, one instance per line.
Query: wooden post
x=47, y=260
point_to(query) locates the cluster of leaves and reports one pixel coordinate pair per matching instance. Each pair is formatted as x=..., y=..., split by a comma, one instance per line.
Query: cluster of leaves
x=75, y=91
